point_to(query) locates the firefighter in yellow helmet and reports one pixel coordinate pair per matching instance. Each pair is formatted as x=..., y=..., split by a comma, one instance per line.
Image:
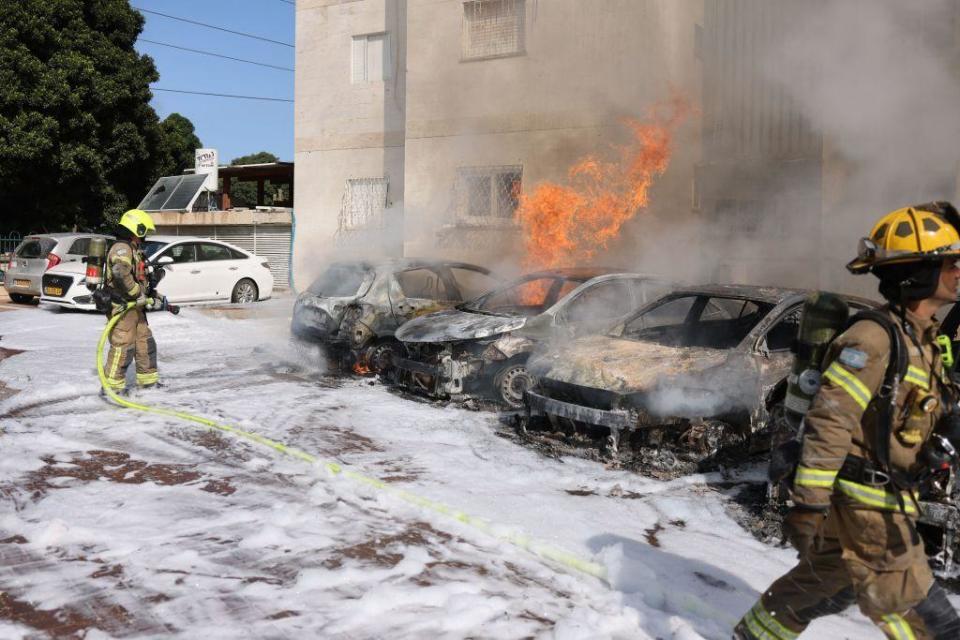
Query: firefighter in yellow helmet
x=865, y=440
x=126, y=279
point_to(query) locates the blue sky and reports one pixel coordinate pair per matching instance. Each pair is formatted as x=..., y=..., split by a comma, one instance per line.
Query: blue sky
x=234, y=127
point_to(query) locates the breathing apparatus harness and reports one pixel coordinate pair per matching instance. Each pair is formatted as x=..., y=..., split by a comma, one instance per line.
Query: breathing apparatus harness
x=106, y=299
x=940, y=452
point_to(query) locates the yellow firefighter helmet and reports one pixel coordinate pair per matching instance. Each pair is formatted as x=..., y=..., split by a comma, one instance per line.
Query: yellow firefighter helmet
x=919, y=233
x=138, y=222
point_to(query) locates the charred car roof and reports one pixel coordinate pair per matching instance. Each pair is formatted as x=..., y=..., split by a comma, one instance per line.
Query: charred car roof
x=573, y=273
x=772, y=295
x=402, y=264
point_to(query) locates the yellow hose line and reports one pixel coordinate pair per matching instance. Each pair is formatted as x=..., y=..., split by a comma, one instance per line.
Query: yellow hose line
x=526, y=543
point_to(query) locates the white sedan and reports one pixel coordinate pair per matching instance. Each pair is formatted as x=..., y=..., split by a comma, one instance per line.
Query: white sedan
x=199, y=270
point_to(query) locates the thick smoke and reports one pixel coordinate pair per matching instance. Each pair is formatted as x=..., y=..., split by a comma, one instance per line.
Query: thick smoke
x=879, y=80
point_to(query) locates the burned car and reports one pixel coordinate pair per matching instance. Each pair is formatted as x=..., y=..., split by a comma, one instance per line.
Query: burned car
x=683, y=378
x=354, y=308
x=481, y=347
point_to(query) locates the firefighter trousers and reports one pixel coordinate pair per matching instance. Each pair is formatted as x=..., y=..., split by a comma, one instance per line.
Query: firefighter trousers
x=132, y=339
x=869, y=557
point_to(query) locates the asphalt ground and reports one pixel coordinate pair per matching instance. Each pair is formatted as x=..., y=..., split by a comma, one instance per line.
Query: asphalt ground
x=7, y=305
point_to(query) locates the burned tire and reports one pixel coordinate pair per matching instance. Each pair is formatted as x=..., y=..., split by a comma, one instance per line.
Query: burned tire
x=380, y=356
x=510, y=383
x=245, y=292
x=21, y=298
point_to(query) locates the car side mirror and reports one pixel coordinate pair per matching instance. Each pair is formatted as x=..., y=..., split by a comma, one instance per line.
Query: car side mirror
x=165, y=260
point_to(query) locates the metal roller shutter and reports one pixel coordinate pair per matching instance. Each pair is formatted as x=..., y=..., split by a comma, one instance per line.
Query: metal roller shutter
x=270, y=241
x=273, y=243
x=242, y=236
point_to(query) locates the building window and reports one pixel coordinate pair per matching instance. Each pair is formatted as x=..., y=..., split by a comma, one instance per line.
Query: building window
x=370, y=58
x=361, y=208
x=492, y=29
x=487, y=195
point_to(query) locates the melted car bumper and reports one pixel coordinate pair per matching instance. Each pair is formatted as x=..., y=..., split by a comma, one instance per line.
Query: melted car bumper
x=539, y=405
x=446, y=377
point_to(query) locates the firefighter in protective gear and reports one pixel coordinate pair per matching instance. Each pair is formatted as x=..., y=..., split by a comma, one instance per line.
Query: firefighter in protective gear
x=126, y=278
x=854, y=513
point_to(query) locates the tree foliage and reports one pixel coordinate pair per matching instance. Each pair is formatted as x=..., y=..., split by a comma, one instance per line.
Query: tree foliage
x=244, y=194
x=179, y=143
x=79, y=140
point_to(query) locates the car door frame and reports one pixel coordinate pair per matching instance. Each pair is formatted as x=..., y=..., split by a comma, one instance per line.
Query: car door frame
x=219, y=278
x=184, y=272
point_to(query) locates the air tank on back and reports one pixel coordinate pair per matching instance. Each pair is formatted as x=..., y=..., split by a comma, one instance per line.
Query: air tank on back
x=96, y=257
x=824, y=316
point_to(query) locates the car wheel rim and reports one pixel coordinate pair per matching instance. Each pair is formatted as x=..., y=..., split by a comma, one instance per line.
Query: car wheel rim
x=245, y=293
x=512, y=385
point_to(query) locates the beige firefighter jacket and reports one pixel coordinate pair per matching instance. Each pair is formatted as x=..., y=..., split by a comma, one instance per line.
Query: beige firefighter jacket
x=126, y=270
x=843, y=417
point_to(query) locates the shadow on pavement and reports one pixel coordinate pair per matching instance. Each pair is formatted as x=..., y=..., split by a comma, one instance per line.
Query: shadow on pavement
x=709, y=599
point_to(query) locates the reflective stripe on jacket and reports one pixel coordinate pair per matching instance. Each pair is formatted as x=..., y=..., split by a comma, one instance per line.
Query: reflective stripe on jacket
x=844, y=414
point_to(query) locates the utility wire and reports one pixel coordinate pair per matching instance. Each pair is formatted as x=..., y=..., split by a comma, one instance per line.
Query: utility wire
x=289, y=2
x=210, y=26
x=222, y=95
x=216, y=55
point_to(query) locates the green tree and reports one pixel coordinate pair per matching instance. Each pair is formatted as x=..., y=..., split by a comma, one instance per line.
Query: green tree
x=244, y=194
x=78, y=137
x=179, y=143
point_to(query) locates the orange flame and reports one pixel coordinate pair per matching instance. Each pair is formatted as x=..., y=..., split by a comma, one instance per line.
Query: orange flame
x=361, y=369
x=566, y=225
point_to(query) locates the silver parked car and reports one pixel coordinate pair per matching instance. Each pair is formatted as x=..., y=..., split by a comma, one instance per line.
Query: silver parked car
x=36, y=254
x=481, y=347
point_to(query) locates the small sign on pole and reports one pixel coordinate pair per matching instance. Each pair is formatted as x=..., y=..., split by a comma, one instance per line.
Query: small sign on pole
x=207, y=162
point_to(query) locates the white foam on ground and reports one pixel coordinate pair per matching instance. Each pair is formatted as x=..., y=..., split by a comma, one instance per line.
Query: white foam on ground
x=291, y=551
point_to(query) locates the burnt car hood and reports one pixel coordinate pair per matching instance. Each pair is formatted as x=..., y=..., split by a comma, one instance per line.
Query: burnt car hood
x=457, y=326
x=663, y=380
x=622, y=366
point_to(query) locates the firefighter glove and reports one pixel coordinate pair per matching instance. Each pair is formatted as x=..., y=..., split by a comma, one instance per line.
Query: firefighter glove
x=159, y=303
x=801, y=525
x=143, y=300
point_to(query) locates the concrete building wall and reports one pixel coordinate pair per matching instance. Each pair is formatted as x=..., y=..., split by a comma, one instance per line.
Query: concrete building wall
x=585, y=66
x=345, y=129
x=582, y=68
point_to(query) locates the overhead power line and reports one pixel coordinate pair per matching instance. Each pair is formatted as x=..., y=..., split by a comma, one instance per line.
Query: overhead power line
x=216, y=55
x=210, y=26
x=222, y=95
x=289, y=2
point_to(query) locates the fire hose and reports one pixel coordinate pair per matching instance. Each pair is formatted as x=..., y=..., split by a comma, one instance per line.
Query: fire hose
x=537, y=548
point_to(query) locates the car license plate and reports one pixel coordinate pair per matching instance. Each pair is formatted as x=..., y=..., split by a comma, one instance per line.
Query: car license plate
x=53, y=291
x=21, y=283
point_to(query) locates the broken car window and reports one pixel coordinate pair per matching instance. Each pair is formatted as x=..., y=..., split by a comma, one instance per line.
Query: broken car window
x=423, y=283
x=672, y=312
x=781, y=335
x=601, y=302
x=525, y=298
x=646, y=291
x=472, y=283
x=710, y=321
x=339, y=281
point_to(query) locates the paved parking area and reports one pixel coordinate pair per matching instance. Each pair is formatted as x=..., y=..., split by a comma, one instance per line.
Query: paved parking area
x=7, y=305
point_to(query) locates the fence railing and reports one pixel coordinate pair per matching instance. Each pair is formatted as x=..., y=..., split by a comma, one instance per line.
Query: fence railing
x=8, y=244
